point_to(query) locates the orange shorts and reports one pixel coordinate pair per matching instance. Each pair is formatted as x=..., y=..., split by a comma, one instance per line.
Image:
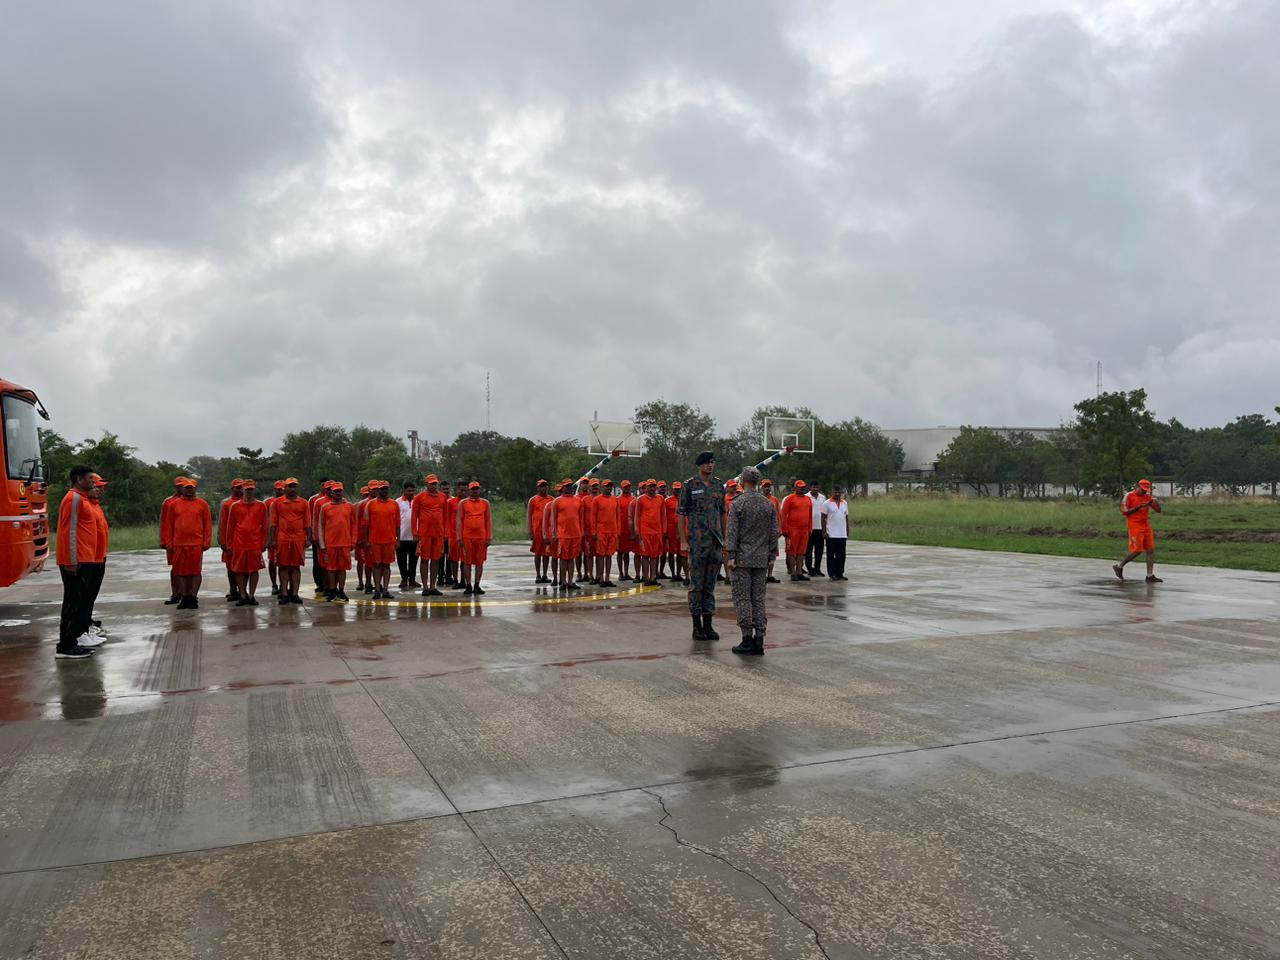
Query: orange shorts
x=540, y=547
x=474, y=551
x=380, y=554
x=187, y=561
x=246, y=561
x=168, y=555
x=652, y=545
x=431, y=548
x=587, y=546
x=570, y=547
x=797, y=543
x=1141, y=538
x=336, y=558
x=226, y=555
x=606, y=544
x=290, y=553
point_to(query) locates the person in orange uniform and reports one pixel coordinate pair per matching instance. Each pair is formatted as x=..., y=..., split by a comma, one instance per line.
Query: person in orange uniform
x=766, y=488
x=278, y=491
x=336, y=534
x=76, y=547
x=381, y=532
x=475, y=533
x=796, y=516
x=247, y=538
x=189, y=534
x=539, y=547
x=452, y=547
x=625, y=545
x=544, y=527
x=564, y=528
x=589, y=546
x=585, y=551
x=664, y=557
x=314, y=503
x=289, y=535
x=427, y=520
x=237, y=487
x=731, y=491
x=174, y=595
x=649, y=525
x=364, y=582
x=604, y=521
x=1136, y=508
x=679, y=560
x=94, y=635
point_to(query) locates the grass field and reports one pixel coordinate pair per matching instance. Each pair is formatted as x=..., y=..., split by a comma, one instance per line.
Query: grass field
x=1241, y=534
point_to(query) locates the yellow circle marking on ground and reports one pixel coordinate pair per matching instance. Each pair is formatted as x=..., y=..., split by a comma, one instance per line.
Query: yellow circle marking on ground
x=459, y=604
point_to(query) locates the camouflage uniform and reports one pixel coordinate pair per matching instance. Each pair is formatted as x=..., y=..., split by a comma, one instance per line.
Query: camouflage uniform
x=702, y=506
x=752, y=544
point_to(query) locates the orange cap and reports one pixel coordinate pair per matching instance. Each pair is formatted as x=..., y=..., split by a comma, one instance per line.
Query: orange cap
x=365, y=488
x=626, y=484
x=800, y=484
x=732, y=485
x=766, y=482
x=179, y=481
x=431, y=478
x=595, y=481
x=541, y=483
x=1144, y=484
x=188, y=482
x=250, y=485
x=475, y=485
x=98, y=481
x=607, y=483
x=677, y=485
x=237, y=483
x=336, y=485
x=279, y=484
x=290, y=480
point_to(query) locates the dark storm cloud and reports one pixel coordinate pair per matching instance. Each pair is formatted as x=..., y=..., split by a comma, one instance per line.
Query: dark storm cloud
x=352, y=213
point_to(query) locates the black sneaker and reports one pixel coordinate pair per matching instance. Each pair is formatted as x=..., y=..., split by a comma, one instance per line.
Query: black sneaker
x=193, y=603
x=275, y=590
x=242, y=603
x=342, y=597
x=283, y=599
x=477, y=589
x=388, y=595
x=174, y=599
x=802, y=577
x=72, y=653
x=294, y=598
x=572, y=586
x=772, y=580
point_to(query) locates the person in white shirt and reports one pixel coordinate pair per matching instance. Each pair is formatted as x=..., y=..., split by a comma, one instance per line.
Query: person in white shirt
x=813, y=556
x=406, y=545
x=835, y=530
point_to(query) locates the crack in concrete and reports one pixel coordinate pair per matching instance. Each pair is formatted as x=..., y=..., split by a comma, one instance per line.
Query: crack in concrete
x=666, y=815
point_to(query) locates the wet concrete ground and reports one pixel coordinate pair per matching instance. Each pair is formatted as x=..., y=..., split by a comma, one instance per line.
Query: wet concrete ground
x=954, y=755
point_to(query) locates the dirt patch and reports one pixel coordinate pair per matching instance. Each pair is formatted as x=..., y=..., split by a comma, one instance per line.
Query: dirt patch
x=1185, y=536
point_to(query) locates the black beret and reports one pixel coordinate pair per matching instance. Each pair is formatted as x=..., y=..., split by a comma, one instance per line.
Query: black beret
x=706, y=456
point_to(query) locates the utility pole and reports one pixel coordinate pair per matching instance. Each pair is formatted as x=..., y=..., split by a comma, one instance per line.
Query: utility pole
x=488, y=404
x=1098, y=386
x=413, y=444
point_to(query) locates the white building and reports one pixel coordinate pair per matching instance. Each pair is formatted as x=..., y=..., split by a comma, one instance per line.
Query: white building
x=923, y=445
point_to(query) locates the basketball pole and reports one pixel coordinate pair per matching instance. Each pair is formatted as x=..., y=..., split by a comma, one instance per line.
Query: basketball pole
x=763, y=464
x=612, y=455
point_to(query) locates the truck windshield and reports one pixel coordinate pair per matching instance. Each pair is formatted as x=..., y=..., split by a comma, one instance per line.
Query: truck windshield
x=21, y=439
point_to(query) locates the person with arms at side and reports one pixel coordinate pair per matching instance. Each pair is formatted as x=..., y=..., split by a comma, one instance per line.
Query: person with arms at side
x=797, y=526
x=554, y=567
x=189, y=535
x=1136, y=508
x=174, y=595
x=835, y=531
x=380, y=532
x=247, y=538
x=584, y=546
x=237, y=488
x=277, y=493
x=453, y=548
x=626, y=546
x=538, y=546
x=813, y=555
x=664, y=558
x=428, y=529
x=77, y=546
x=702, y=530
x=604, y=521
x=407, y=546
x=364, y=580
x=671, y=507
x=95, y=635
x=564, y=526
x=649, y=519
x=314, y=503
x=750, y=543
x=289, y=532
x=475, y=533
x=766, y=490
x=336, y=533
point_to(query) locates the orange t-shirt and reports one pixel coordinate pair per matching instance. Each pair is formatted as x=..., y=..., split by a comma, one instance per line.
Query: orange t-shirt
x=474, y=519
x=104, y=534
x=604, y=515
x=337, y=524
x=247, y=525
x=291, y=520
x=428, y=513
x=533, y=514
x=190, y=523
x=77, y=529
x=797, y=514
x=222, y=520
x=451, y=517
x=164, y=514
x=585, y=499
x=381, y=521
x=566, y=518
x=1142, y=519
x=650, y=516
x=672, y=506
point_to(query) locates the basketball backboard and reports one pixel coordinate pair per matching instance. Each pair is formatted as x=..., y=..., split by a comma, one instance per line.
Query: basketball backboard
x=793, y=434
x=606, y=436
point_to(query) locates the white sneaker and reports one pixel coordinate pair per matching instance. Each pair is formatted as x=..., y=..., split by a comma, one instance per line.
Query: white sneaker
x=90, y=640
x=97, y=631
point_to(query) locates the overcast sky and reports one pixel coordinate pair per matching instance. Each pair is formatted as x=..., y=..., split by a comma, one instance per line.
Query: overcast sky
x=222, y=220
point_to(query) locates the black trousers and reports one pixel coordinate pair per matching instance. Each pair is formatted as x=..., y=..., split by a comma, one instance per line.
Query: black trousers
x=407, y=559
x=77, y=587
x=813, y=556
x=96, y=572
x=315, y=564
x=835, y=556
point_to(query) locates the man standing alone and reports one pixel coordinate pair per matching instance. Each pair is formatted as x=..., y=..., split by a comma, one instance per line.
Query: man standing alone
x=702, y=529
x=77, y=546
x=750, y=545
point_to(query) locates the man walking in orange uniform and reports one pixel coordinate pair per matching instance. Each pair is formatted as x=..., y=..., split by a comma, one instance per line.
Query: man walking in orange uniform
x=538, y=546
x=380, y=532
x=475, y=533
x=428, y=529
x=797, y=524
x=247, y=538
x=649, y=523
x=237, y=486
x=289, y=534
x=174, y=595
x=564, y=526
x=336, y=534
x=189, y=534
x=1137, y=506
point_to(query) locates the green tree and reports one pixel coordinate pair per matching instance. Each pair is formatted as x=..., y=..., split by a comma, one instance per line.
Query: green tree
x=1064, y=459
x=474, y=456
x=674, y=433
x=1029, y=459
x=521, y=464
x=979, y=457
x=881, y=456
x=1116, y=432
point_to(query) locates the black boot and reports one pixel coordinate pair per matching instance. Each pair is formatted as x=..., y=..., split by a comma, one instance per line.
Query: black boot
x=698, y=632
x=759, y=643
x=708, y=629
x=748, y=645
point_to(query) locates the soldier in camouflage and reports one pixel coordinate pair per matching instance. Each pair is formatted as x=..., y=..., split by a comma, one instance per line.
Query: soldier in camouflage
x=751, y=544
x=702, y=531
